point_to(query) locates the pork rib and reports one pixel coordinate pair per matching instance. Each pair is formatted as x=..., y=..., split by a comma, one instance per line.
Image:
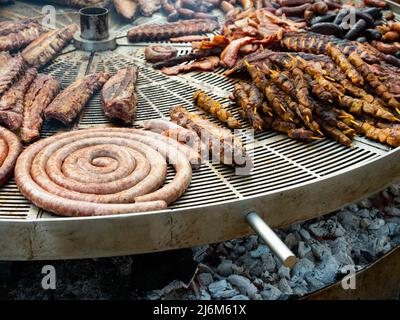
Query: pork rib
x=69, y=103
x=46, y=47
x=149, y=32
x=118, y=95
x=17, y=34
x=12, y=102
x=42, y=91
x=10, y=71
x=148, y=7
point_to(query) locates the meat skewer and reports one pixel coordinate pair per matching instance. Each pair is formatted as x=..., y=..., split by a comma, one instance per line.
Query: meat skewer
x=224, y=147
x=12, y=101
x=41, y=92
x=69, y=103
x=250, y=100
x=216, y=109
x=39, y=52
x=119, y=97
x=151, y=32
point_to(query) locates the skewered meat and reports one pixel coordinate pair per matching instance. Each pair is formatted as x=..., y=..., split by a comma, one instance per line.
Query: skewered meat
x=373, y=81
x=126, y=8
x=10, y=148
x=150, y=32
x=118, y=95
x=295, y=133
x=203, y=64
x=12, y=102
x=10, y=71
x=158, y=53
x=69, y=103
x=222, y=144
x=58, y=175
x=42, y=91
x=17, y=34
x=250, y=101
x=148, y=7
x=47, y=46
x=216, y=109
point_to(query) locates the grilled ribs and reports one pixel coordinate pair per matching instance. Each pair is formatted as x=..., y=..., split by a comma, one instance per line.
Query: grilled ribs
x=222, y=144
x=148, y=7
x=17, y=34
x=69, y=103
x=46, y=47
x=118, y=95
x=10, y=70
x=42, y=91
x=12, y=102
x=149, y=32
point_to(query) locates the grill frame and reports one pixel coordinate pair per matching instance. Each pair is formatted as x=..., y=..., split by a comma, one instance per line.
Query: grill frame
x=40, y=236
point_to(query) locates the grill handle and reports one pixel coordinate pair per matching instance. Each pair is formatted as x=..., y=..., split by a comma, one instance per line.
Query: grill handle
x=271, y=239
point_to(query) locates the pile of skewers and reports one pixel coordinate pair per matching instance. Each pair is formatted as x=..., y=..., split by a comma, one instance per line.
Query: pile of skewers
x=310, y=96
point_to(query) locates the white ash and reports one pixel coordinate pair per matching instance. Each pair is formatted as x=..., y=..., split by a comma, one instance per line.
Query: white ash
x=326, y=248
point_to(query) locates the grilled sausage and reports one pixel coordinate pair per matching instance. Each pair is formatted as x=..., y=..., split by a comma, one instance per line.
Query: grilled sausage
x=10, y=148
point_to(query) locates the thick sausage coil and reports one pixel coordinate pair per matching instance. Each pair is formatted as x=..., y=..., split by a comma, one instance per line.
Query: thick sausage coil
x=102, y=171
x=10, y=148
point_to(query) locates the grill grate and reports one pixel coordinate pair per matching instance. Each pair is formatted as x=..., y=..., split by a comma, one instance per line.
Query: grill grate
x=279, y=161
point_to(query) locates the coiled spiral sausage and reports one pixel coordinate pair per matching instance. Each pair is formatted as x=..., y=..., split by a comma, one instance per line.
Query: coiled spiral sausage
x=102, y=171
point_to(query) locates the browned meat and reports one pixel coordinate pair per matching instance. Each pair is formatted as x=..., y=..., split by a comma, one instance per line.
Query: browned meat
x=126, y=8
x=42, y=91
x=12, y=102
x=203, y=64
x=17, y=34
x=230, y=54
x=46, y=47
x=158, y=53
x=10, y=148
x=10, y=71
x=222, y=144
x=193, y=38
x=69, y=103
x=148, y=7
x=149, y=32
x=4, y=58
x=118, y=95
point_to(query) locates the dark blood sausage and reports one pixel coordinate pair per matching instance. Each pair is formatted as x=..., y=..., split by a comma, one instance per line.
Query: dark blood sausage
x=102, y=171
x=69, y=103
x=10, y=148
x=149, y=32
x=327, y=28
x=329, y=17
x=118, y=96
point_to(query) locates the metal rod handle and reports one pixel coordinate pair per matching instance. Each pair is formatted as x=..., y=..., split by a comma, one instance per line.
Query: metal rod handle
x=271, y=239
